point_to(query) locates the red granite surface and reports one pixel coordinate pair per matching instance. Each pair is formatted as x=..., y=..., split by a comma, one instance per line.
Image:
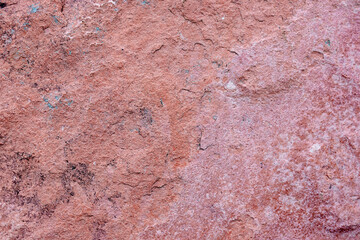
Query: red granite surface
x=193, y=119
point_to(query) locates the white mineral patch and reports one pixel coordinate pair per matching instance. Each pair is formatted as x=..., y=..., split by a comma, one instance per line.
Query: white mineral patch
x=315, y=147
x=230, y=86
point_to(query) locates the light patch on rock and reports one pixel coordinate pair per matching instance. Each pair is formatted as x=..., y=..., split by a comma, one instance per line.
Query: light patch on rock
x=230, y=86
x=269, y=213
x=289, y=202
x=182, y=37
x=315, y=147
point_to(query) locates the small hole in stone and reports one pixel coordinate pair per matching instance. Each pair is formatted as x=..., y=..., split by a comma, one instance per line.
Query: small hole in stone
x=2, y=5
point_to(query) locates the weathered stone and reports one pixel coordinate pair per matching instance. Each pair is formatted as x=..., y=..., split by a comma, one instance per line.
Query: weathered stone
x=179, y=119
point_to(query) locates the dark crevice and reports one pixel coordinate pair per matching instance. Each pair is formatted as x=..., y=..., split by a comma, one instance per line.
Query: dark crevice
x=2, y=5
x=345, y=229
x=62, y=6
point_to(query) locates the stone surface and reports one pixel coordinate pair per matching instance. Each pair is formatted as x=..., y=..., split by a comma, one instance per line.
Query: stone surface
x=179, y=119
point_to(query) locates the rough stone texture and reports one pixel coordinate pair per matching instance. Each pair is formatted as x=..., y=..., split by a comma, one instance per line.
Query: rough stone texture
x=193, y=119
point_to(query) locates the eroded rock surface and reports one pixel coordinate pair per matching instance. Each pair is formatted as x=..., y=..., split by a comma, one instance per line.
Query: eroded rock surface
x=179, y=119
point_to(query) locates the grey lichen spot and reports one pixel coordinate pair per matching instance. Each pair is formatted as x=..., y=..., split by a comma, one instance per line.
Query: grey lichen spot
x=146, y=116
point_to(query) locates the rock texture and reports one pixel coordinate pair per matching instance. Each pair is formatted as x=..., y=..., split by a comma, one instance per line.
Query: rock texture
x=192, y=119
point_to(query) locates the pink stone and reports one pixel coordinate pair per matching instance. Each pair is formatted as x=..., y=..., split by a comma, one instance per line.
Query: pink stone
x=179, y=119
